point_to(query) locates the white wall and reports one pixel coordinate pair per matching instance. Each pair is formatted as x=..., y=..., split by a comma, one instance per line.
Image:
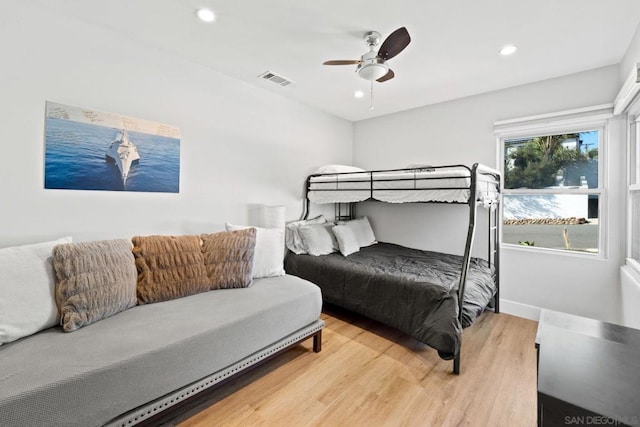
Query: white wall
x=240, y=146
x=631, y=57
x=630, y=297
x=461, y=132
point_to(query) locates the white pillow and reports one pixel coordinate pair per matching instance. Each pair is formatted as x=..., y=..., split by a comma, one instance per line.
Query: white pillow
x=318, y=239
x=347, y=241
x=27, y=290
x=292, y=235
x=338, y=169
x=362, y=230
x=268, y=258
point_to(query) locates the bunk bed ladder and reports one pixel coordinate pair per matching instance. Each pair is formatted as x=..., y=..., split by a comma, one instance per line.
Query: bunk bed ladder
x=344, y=211
x=494, y=250
x=473, y=207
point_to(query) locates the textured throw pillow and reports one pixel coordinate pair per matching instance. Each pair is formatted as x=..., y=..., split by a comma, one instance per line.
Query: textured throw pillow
x=347, y=241
x=228, y=256
x=318, y=239
x=292, y=234
x=27, y=286
x=268, y=260
x=362, y=229
x=95, y=280
x=169, y=267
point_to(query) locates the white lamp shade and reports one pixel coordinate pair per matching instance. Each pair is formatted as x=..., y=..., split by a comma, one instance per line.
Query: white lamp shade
x=273, y=216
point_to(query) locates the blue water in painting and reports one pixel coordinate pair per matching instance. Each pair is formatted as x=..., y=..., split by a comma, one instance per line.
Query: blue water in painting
x=75, y=159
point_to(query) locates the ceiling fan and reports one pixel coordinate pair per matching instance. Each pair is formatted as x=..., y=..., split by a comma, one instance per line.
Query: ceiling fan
x=373, y=65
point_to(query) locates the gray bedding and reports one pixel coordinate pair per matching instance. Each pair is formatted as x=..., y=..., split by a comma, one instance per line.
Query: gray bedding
x=87, y=377
x=412, y=290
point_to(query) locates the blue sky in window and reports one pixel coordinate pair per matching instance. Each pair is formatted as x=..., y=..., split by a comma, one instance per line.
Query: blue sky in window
x=589, y=140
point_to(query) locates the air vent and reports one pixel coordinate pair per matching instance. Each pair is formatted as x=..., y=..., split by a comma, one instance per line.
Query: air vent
x=275, y=78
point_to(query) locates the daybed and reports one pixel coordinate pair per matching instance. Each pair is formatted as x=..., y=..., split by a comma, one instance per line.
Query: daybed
x=127, y=368
x=429, y=295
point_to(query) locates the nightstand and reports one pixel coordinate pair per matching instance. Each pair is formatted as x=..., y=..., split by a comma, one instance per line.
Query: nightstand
x=588, y=372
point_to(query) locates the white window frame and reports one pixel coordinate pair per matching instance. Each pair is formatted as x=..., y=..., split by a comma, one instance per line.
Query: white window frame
x=570, y=121
x=633, y=186
x=628, y=103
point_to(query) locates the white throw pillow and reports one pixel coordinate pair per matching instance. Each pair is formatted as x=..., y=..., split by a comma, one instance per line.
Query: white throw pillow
x=268, y=258
x=362, y=229
x=318, y=239
x=347, y=241
x=338, y=169
x=27, y=290
x=292, y=235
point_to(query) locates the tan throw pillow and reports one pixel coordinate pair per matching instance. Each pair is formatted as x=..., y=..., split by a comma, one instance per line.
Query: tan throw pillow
x=94, y=280
x=228, y=256
x=169, y=267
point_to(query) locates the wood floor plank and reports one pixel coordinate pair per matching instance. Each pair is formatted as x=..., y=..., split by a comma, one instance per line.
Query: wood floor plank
x=368, y=374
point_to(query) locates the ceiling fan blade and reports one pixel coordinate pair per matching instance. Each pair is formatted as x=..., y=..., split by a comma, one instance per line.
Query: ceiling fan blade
x=394, y=44
x=342, y=62
x=390, y=74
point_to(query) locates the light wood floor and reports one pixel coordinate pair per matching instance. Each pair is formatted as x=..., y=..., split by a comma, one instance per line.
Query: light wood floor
x=368, y=375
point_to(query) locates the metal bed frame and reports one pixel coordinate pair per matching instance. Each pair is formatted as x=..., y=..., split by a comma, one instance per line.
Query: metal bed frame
x=493, y=229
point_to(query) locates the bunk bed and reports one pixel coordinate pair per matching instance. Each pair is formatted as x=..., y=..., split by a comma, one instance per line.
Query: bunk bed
x=431, y=296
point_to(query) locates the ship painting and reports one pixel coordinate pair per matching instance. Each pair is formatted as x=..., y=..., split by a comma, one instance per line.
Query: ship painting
x=123, y=153
x=86, y=149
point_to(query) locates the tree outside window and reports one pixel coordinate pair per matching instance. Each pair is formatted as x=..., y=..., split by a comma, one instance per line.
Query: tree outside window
x=551, y=191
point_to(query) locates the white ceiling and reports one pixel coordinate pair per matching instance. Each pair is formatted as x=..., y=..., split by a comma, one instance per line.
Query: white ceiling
x=453, y=53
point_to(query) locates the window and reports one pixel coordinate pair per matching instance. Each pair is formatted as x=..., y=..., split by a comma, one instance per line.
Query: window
x=554, y=194
x=633, y=251
x=627, y=103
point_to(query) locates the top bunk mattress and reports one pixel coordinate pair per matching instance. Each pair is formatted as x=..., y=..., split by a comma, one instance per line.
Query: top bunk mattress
x=448, y=184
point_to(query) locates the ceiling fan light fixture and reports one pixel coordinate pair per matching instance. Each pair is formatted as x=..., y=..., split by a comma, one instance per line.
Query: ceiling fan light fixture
x=373, y=71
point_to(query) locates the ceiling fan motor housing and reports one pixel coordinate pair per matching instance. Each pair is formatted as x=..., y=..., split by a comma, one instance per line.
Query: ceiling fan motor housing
x=372, y=67
x=372, y=38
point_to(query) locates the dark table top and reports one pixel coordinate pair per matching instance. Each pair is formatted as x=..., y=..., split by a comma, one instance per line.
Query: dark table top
x=590, y=364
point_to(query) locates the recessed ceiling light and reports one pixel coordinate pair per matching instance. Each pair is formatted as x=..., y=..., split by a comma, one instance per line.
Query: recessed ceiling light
x=508, y=50
x=206, y=15
x=358, y=94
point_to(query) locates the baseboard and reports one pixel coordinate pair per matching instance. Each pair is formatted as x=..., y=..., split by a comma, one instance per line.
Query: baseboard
x=521, y=310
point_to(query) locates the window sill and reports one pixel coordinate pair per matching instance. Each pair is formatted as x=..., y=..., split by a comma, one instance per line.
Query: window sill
x=554, y=252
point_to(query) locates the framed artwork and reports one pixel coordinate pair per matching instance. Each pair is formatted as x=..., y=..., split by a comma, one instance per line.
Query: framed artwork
x=91, y=150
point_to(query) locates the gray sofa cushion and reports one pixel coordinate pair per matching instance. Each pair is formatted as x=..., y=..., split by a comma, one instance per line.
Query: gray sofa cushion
x=110, y=367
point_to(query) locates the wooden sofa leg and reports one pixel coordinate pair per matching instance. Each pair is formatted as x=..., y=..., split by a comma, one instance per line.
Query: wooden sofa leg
x=317, y=341
x=456, y=364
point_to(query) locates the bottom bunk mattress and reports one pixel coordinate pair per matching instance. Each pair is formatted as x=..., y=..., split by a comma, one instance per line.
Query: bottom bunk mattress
x=409, y=289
